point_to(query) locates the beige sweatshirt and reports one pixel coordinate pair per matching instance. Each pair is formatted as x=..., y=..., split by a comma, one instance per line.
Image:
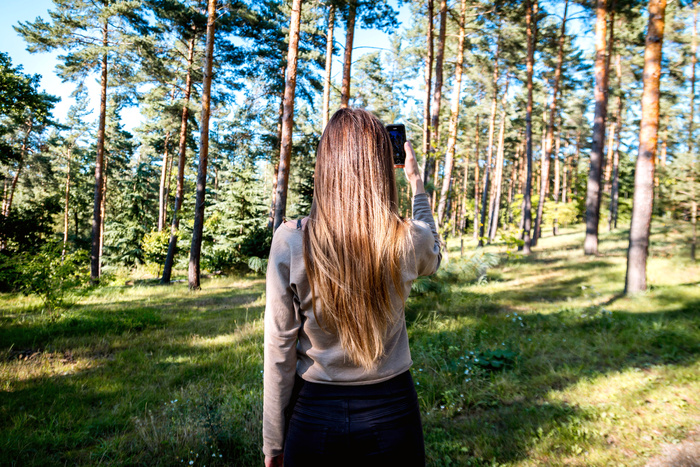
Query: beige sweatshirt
x=294, y=342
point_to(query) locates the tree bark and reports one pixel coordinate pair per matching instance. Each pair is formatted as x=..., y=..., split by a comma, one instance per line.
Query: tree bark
x=600, y=92
x=489, y=149
x=691, y=141
x=288, y=117
x=97, y=204
x=547, y=143
x=565, y=174
x=163, y=177
x=428, y=89
x=476, y=181
x=66, y=203
x=615, y=187
x=329, y=65
x=196, y=248
x=7, y=207
x=638, y=251
x=103, y=212
x=437, y=101
x=347, y=64
x=531, y=23
x=280, y=115
x=463, y=194
x=607, y=175
x=557, y=151
x=181, y=161
x=493, y=224
x=575, y=164
x=454, y=118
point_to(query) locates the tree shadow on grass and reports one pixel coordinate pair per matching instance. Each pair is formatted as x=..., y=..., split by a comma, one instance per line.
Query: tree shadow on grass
x=506, y=413
x=36, y=330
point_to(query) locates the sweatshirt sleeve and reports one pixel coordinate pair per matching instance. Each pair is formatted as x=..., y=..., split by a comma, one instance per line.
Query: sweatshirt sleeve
x=282, y=323
x=426, y=240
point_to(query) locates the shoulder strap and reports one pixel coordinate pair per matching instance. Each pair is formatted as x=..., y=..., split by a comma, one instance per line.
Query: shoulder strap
x=298, y=224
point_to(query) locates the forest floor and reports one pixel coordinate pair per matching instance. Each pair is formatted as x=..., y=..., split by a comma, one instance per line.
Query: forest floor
x=541, y=362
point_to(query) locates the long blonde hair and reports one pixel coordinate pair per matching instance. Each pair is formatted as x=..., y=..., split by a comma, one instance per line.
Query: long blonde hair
x=355, y=239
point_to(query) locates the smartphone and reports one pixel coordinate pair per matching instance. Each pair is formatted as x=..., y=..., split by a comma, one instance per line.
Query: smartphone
x=397, y=133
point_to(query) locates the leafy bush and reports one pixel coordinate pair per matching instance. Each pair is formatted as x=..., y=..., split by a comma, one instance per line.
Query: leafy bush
x=46, y=273
x=566, y=213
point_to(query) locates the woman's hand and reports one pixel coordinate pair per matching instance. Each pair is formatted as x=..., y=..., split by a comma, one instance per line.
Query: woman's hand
x=274, y=461
x=412, y=171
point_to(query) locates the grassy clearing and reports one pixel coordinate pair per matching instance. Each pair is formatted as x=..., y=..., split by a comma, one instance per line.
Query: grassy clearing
x=543, y=363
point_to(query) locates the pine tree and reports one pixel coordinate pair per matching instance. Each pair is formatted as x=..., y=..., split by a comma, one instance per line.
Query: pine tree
x=640, y=228
x=95, y=36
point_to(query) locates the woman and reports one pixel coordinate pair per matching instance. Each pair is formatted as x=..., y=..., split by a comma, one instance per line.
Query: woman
x=337, y=283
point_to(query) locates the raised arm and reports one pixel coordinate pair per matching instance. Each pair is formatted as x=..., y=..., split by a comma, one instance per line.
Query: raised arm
x=426, y=238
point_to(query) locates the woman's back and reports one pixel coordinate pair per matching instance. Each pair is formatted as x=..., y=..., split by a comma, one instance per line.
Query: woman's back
x=336, y=289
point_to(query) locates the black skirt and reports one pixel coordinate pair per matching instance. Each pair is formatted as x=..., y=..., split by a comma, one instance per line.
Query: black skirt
x=363, y=425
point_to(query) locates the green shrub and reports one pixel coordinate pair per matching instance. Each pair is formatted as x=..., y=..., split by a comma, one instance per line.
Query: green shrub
x=47, y=273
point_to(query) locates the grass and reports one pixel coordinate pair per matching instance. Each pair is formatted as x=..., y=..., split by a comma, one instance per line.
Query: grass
x=542, y=363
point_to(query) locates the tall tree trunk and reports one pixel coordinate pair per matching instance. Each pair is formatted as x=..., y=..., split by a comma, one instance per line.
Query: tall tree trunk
x=428, y=89
x=463, y=194
x=615, y=187
x=347, y=63
x=20, y=165
x=198, y=228
x=691, y=141
x=329, y=64
x=607, y=174
x=565, y=175
x=548, y=140
x=181, y=161
x=278, y=142
x=96, y=220
x=489, y=149
x=531, y=22
x=636, y=279
x=454, y=118
x=66, y=203
x=575, y=164
x=288, y=118
x=557, y=151
x=167, y=188
x=163, y=177
x=600, y=92
x=103, y=212
x=476, y=181
x=437, y=101
x=493, y=224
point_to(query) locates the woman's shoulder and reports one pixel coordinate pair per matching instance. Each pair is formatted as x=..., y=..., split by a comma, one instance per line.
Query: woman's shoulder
x=288, y=235
x=296, y=225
